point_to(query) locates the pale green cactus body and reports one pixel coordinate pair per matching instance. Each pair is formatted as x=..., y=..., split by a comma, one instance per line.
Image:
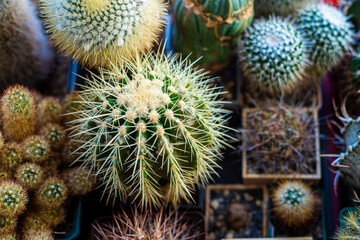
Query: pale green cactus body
x=273, y=54
x=153, y=134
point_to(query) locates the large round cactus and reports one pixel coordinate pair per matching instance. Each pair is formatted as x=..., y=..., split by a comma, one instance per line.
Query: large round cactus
x=274, y=54
x=103, y=32
x=210, y=29
x=153, y=132
x=329, y=32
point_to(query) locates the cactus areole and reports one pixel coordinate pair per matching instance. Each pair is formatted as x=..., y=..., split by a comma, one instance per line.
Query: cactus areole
x=153, y=134
x=210, y=29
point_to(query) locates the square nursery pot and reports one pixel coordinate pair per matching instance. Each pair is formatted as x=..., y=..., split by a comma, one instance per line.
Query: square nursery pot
x=287, y=238
x=235, y=211
x=253, y=177
x=70, y=230
x=319, y=231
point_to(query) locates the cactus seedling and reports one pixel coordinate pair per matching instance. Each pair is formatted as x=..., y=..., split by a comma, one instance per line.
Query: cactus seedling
x=294, y=204
x=50, y=110
x=153, y=134
x=79, y=181
x=18, y=113
x=54, y=134
x=350, y=226
x=274, y=54
x=103, y=32
x=7, y=224
x=29, y=175
x=329, y=33
x=36, y=148
x=282, y=8
x=11, y=156
x=52, y=193
x=13, y=199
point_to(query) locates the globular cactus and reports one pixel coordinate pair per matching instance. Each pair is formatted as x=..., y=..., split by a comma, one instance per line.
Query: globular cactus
x=209, y=29
x=284, y=8
x=11, y=156
x=52, y=193
x=41, y=233
x=24, y=51
x=50, y=164
x=5, y=174
x=153, y=134
x=79, y=181
x=52, y=216
x=350, y=226
x=294, y=204
x=329, y=33
x=147, y=226
x=7, y=225
x=13, y=199
x=54, y=134
x=103, y=32
x=36, y=148
x=354, y=70
x=50, y=110
x=18, y=113
x=273, y=55
x=29, y=175
x=9, y=236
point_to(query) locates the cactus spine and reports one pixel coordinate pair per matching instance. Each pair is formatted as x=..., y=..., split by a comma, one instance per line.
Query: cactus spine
x=274, y=54
x=153, y=134
x=294, y=203
x=350, y=226
x=329, y=33
x=103, y=33
x=18, y=113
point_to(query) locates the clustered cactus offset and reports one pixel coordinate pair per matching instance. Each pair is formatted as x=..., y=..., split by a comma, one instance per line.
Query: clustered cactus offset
x=274, y=54
x=151, y=134
x=103, y=32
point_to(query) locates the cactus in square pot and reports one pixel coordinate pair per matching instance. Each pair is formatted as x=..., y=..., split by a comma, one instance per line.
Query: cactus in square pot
x=209, y=29
x=152, y=129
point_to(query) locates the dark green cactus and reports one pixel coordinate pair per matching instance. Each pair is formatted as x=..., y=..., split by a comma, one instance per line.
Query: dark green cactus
x=209, y=29
x=354, y=69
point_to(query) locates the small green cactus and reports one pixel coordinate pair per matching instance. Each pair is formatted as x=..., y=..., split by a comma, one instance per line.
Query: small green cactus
x=29, y=175
x=41, y=233
x=13, y=199
x=274, y=55
x=294, y=204
x=7, y=225
x=11, y=156
x=350, y=228
x=50, y=164
x=36, y=148
x=18, y=113
x=284, y=8
x=50, y=110
x=154, y=134
x=329, y=33
x=103, y=32
x=354, y=69
x=52, y=193
x=54, y=134
x=52, y=216
x=79, y=181
x=209, y=29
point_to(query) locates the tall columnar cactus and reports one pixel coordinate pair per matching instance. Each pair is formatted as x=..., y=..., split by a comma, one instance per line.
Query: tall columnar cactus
x=294, y=204
x=52, y=193
x=273, y=54
x=13, y=199
x=24, y=50
x=18, y=113
x=329, y=33
x=284, y=8
x=153, y=134
x=350, y=228
x=103, y=32
x=354, y=69
x=210, y=29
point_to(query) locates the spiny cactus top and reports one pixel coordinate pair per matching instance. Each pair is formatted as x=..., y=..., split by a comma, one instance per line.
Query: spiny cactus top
x=18, y=113
x=13, y=199
x=54, y=134
x=11, y=156
x=52, y=193
x=103, y=32
x=294, y=203
x=36, y=148
x=29, y=175
x=79, y=181
x=154, y=133
x=350, y=226
x=274, y=54
x=329, y=33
